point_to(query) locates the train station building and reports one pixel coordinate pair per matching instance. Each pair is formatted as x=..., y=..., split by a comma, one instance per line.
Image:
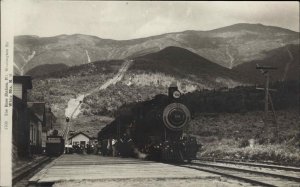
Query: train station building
x=21, y=128
x=31, y=120
x=80, y=139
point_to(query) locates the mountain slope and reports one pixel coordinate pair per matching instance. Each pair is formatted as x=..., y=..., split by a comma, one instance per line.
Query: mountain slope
x=45, y=69
x=285, y=59
x=148, y=76
x=182, y=63
x=228, y=46
x=153, y=73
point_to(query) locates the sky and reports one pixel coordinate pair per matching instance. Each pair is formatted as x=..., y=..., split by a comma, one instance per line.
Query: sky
x=122, y=20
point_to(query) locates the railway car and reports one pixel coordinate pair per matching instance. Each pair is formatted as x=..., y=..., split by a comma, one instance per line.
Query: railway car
x=155, y=128
x=55, y=145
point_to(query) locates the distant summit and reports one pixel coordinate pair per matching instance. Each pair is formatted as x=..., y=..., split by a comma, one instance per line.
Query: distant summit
x=254, y=28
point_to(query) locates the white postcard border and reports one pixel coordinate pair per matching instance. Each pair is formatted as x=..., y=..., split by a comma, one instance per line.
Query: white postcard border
x=7, y=42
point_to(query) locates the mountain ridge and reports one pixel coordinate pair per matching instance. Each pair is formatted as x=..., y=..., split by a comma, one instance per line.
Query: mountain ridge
x=227, y=46
x=183, y=31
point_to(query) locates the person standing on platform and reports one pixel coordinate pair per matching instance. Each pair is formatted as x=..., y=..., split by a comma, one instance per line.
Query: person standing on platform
x=114, y=147
x=109, y=147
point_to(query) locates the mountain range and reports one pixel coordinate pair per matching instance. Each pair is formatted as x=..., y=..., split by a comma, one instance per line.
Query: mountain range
x=68, y=67
x=228, y=47
x=104, y=86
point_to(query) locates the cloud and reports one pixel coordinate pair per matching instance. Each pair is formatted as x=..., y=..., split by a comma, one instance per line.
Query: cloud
x=134, y=19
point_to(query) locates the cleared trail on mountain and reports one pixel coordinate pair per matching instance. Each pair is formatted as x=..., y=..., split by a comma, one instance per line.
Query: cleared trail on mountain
x=30, y=57
x=230, y=57
x=16, y=66
x=116, y=78
x=88, y=56
x=287, y=66
x=72, y=110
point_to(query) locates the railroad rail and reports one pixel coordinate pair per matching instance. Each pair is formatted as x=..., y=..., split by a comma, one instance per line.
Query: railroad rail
x=22, y=172
x=249, y=161
x=262, y=165
x=258, y=175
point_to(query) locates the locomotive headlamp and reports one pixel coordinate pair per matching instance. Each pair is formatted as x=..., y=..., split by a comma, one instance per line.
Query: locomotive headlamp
x=176, y=94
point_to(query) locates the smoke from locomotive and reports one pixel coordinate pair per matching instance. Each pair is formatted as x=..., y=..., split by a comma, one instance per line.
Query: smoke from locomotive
x=154, y=128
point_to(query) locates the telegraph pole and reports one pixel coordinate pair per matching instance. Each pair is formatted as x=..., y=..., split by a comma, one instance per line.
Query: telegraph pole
x=265, y=70
x=267, y=94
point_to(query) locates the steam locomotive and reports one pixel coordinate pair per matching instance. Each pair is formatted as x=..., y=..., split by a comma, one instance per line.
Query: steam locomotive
x=154, y=129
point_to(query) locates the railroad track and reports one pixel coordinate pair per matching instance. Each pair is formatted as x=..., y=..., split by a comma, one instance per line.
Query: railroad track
x=275, y=164
x=262, y=165
x=21, y=173
x=257, y=174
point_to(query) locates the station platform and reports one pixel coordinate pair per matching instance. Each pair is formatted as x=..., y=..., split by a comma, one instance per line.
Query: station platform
x=89, y=170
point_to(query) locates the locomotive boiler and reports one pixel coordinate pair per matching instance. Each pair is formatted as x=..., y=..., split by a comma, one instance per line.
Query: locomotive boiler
x=156, y=128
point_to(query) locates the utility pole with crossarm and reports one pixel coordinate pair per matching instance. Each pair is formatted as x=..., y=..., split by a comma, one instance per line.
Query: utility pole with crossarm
x=265, y=70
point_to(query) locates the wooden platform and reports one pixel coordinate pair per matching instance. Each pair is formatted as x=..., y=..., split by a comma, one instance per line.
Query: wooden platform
x=94, y=167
